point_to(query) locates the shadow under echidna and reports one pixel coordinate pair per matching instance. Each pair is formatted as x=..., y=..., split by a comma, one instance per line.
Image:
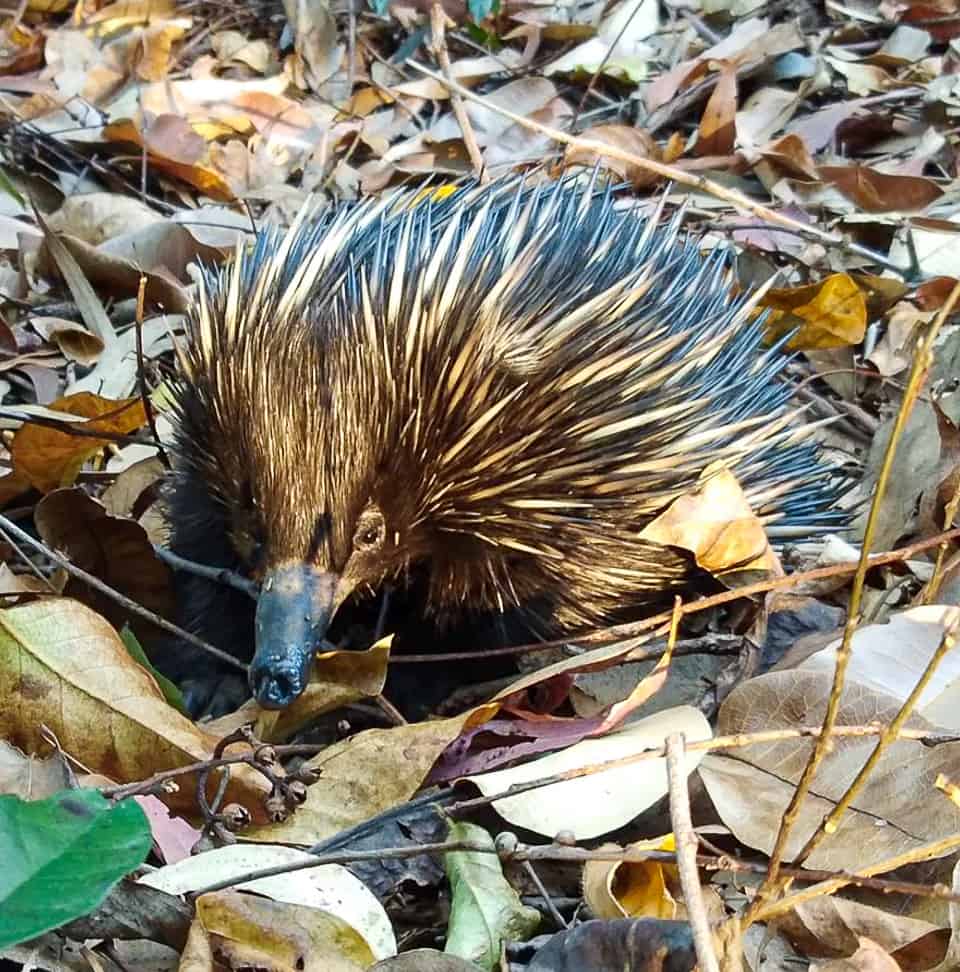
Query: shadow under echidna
x=478, y=396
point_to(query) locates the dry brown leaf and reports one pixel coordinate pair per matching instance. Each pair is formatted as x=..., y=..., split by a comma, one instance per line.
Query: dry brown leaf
x=717, y=132
x=366, y=774
x=627, y=139
x=831, y=926
x=880, y=192
x=48, y=458
x=869, y=957
x=96, y=217
x=123, y=497
x=752, y=787
x=113, y=548
x=204, y=178
x=63, y=667
x=717, y=524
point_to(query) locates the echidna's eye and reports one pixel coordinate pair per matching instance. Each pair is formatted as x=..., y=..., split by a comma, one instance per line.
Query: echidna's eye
x=370, y=531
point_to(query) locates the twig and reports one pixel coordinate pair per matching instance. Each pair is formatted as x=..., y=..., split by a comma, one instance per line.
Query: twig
x=551, y=907
x=438, y=23
x=687, y=846
x=738, y=741
x=929, y=593
x=890, y=734
x=131, y=606
x=633, y=629
x=784, y=906
x=922, y=359
x=670, y=172
x=142, y=374
x=578, y=855
x=219, y=575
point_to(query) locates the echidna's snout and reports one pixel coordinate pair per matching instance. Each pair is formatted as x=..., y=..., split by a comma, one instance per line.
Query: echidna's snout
x=296, y=605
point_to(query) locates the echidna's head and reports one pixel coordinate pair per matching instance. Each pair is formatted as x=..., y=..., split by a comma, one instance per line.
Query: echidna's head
x=508, y=385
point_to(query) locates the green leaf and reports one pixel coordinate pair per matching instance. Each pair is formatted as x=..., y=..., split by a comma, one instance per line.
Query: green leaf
x=9, y=188
x=485, y=909
x=170, y=691
x=61, y=856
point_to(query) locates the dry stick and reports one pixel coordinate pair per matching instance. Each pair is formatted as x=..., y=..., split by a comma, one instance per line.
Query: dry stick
x=142, y=373
x=930, y=592
x=890, y=734
x=132, y=606
x=921, y=362
x=633, y=629
x=737, y=741
x=579, y=855
x=927, y=852
x=438, y=23
x=687, y=846
x=219, y=575
x=670, y=172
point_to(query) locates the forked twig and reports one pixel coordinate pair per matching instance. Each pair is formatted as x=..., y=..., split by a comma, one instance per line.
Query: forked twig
x=922, y=359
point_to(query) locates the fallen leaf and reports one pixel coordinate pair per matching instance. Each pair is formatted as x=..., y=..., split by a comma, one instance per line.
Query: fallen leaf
x=49, y=458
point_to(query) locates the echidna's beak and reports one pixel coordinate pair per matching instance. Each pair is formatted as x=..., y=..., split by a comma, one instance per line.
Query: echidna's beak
x=296, y=605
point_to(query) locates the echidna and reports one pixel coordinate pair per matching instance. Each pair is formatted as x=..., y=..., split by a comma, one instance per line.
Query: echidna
x=500, y=385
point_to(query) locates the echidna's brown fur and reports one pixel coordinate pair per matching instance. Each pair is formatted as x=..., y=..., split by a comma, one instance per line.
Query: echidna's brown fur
x=516, y=380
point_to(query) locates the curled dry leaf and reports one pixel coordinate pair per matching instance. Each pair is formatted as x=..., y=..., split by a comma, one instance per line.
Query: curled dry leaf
x=717, y=524
x=74, y=340
x=63, y=667
x=632, y=889
x=829, y=314
x=48, y=458
x=633, y=140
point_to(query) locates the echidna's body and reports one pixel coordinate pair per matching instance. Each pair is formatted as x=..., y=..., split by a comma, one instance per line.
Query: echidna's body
x=504, y=386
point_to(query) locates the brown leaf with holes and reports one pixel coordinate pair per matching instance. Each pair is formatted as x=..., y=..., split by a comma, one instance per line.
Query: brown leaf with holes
x=48, y=458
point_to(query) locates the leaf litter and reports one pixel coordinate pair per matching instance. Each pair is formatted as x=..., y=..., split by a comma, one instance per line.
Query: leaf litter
x=143, y=139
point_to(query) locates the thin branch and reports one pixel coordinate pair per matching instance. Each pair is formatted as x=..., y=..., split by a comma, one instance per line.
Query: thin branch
x=219, y=575
x=687, y=847
x=890, y=734
x=670, y=172
x=438, y=23
x=129, y=605
x=142, y=373
x=922, y=360
x=633, y=629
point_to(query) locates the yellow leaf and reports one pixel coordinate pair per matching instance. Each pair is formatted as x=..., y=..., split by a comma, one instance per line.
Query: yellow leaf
x=49, y=458
x=632, y=889
x=829, y=314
